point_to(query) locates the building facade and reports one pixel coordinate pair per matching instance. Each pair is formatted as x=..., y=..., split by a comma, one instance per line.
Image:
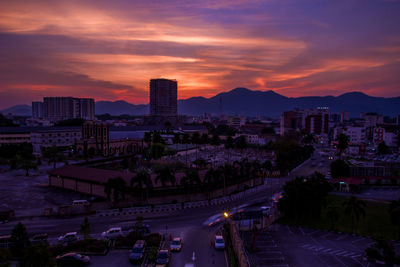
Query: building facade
x=45, y=137
x=37, y=110
x=163, y=97
x=65, y=108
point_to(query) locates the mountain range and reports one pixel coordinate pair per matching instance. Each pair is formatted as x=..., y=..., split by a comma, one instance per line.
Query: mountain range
x=242, y=101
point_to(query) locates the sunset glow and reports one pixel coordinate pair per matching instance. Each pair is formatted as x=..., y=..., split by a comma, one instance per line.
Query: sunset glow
x=110, y=50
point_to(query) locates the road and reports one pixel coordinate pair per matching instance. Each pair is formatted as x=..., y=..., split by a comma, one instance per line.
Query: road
x=188, y=224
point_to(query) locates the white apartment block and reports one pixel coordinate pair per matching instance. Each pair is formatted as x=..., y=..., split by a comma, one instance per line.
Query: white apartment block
x=356, y=134
x=55, y=136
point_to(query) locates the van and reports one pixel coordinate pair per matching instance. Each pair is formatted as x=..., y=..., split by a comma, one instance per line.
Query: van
x=80, y=203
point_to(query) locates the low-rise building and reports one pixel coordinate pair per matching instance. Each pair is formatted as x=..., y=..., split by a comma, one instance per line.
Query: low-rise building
x=14, y=135
x=59, y=136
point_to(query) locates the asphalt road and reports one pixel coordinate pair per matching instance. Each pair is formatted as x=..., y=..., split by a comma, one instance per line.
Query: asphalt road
x=188, y=224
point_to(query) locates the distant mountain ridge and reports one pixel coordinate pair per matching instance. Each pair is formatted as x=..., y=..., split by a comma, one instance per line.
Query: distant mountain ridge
x=18, y=110
x=242, y=101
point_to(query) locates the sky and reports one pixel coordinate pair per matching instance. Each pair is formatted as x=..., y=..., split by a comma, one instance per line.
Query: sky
x=109, y=50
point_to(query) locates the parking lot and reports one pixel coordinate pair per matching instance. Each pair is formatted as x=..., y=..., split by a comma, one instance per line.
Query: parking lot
x=282, y=245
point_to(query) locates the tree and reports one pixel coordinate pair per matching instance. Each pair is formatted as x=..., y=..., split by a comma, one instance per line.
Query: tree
x=241, y=142
x=196, y=138
x=37, y=256
x=147, y=137
x=19, y=239
x=333, y=216
x=156, y=150
x=53, y=154
x=304, y=197
x=354, y=208
x=5, y=257
x=140, y=181
x=394, y=210
x=267, y=166
x=229, y=142
x=157, y=138
x=215, y=141
x=339, y=168
x=167, y=125
x=85, y=228
x=343, y=143
x=165, y=175
x=115, y=187
x=191, y=181
x=383, y=148
x=204, y=138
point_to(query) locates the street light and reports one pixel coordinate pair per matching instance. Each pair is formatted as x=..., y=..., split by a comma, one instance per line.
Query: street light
x=226, y=214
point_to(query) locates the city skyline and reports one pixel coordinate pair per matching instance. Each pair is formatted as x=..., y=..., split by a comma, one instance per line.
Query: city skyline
x=109, y=51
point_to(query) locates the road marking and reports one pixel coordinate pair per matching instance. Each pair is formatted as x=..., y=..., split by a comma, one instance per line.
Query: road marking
x=301, y=230
x=359, y=239
x=313, y=232
x=290, y=231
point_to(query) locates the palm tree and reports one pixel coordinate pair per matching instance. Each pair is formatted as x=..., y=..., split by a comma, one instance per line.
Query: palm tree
x=191, y=181
x=165, y=175
x=394, y=210
x=140, y=181
x=267, y=166
x=354, y=207
x=333, y=216
x=115, y=187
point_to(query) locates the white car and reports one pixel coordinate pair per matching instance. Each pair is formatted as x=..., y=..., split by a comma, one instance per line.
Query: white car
x=68, y=238
x=219, y=242
x=112, y=233
x=176, y=244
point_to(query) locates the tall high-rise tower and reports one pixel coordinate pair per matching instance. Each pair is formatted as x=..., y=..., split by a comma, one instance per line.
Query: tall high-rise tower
x=163, y=97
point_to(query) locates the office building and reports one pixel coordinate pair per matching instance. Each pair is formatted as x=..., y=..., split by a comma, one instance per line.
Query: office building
x=37, y=110
x=291, y=122
x=316, y=121
x=163, y=97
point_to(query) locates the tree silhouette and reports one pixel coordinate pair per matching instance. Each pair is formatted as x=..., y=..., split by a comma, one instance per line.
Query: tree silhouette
x=343, y=143
x=241, y=142
x=19, y=240
x=53, y=154
x=333, y=216
x=140, y=181
x=165, y=175
x=191, y=181
x=339, y=168
x=85, y=228
x=394, y=210
x=37, y=256
x=115, y=187
x=383, y=148
x=354, y=208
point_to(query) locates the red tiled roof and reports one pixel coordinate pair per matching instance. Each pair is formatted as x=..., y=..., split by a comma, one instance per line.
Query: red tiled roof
x=89, y=174
x=101, y=176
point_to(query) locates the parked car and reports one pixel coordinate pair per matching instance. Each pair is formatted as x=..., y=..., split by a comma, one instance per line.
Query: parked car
x=68, y=238
x=163, y=256
x=72, y=259
x=140, y=229
x=137, y=251
x=112, y=233
x=80, y=202
x=176, y=244
x=40, y=239
x=219, y=242
x=266, y=210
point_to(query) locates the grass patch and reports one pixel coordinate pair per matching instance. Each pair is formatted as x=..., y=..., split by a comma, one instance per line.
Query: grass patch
x=376, y=223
